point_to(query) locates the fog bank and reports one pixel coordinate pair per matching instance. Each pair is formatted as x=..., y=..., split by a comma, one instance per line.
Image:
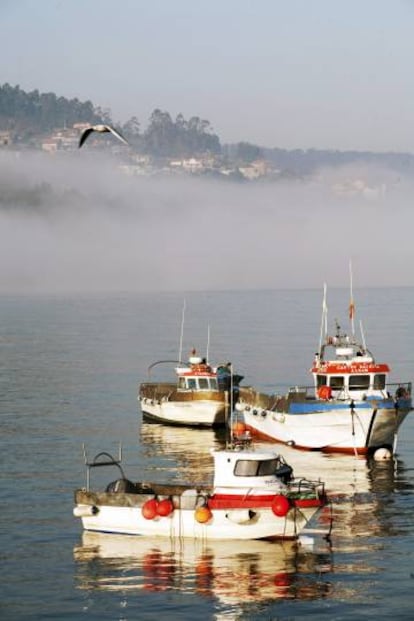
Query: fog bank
x=76, y=223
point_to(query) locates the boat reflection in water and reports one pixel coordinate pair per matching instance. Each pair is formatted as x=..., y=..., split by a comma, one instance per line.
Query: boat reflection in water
x=180, y=453
x=369, y=508
x=185, y=453
x=255, y=572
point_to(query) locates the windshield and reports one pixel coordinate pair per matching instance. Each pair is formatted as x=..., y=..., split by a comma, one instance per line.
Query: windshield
x=253, y=468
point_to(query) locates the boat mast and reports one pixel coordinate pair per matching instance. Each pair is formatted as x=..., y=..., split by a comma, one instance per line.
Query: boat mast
x=351, y=303
x=231, y=406
x=324, y=319
x=182, y=332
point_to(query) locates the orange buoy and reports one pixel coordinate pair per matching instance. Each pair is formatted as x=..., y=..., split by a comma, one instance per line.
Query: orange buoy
x=165, y=507
x=325, y=392
x=280, y=505
x=149, y=509
x=239, y=428
x=203, y=514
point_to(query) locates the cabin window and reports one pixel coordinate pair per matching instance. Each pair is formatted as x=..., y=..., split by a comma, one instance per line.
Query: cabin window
x=251, y=468
x=336, y=382
x=191, y=383
x=203, y=383
x=213, y=383
x=379, y=381
x=358, y=382
x=181, y=383
x=321, y=379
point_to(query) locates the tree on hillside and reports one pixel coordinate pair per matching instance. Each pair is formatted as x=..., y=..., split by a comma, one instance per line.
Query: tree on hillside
x=247, y=152
x=164, y=137
x=27, y=114
x=160, y=134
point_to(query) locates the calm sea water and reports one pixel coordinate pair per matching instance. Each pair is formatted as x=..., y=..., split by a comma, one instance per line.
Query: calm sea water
x=70, y=367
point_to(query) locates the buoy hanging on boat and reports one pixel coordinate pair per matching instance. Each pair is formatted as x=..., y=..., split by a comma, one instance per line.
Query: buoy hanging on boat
x=382, y=454
x=149, y=509
x=280, y=505
x=203, y=514
x=325, y=392
x=165, y=507
x=239, y=428
x=84, y=510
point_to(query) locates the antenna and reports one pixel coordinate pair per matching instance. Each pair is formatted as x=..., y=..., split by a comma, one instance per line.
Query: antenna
x=208, y=342
x=362, y=336
x=182, y=332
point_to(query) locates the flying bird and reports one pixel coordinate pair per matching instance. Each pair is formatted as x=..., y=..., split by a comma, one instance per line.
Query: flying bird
x=101, y=129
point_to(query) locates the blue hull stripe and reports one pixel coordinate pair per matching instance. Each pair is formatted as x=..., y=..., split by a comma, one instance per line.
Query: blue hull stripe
x=319, y=406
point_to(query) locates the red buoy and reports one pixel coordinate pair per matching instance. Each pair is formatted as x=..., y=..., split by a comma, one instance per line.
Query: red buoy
x=149, y=509
x=280, y=505
x=165, y=507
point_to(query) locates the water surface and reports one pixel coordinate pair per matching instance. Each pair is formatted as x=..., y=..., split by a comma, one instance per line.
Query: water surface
x=69, y=372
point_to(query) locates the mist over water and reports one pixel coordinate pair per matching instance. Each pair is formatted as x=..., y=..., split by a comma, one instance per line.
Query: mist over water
x=77, y=223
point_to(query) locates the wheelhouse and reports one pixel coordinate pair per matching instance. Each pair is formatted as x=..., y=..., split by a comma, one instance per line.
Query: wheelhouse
x=194, y=382
x=350, y=384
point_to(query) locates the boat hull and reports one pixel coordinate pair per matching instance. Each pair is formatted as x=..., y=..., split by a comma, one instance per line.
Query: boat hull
x=335, y=426
x=226, y=523
x=197, y=413
x=194, y=409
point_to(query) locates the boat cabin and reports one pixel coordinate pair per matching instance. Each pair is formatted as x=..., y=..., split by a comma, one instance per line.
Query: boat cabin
x=248, y=469
x=200, y=376
x=195, y=382
x=349, y=373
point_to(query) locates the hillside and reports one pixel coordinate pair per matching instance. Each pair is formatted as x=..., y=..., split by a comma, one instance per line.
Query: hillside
x=26, y=118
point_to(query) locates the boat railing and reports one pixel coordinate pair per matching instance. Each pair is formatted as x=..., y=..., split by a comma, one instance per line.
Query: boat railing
x=400, y=390
x=102, y=459
x=301, y=393
x=302, y=486
x=157, y=390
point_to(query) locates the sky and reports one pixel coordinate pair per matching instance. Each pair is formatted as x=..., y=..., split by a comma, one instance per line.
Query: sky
x=292, y=74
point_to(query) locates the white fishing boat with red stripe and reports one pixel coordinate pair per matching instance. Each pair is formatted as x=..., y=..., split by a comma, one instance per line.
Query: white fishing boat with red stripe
x=351, y=408
x=253, y=496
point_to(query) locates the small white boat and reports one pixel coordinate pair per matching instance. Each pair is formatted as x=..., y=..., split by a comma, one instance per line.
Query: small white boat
x=201, y=397
x=351, y=407
x=253, y=497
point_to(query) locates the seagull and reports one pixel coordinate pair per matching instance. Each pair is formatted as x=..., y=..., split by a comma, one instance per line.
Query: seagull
x=101, y=129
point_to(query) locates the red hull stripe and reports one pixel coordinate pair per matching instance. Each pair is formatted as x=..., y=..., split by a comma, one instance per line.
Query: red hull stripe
x=224, y=501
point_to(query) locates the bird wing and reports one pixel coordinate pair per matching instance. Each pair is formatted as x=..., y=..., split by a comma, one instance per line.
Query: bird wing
x=84, y=135
x=117, y=134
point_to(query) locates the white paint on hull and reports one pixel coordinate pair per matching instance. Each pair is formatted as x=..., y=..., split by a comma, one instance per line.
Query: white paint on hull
x=187, y=412
x=182, y=523
x=337, y=429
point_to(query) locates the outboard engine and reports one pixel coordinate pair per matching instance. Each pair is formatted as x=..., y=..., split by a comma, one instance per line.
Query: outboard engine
x=284, y=472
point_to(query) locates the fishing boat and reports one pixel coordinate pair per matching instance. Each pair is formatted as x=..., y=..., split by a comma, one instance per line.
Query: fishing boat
x=254, y=496
x=350, y=408
x=200, y=397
